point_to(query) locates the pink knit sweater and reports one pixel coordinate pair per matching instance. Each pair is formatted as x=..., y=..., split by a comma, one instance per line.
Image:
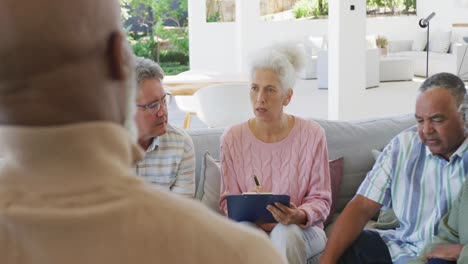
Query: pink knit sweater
x=297, y=166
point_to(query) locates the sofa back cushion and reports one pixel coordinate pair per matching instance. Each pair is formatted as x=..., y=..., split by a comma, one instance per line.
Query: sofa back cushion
x=420, y=41
x=399, y=45
x=210, y=182
x=353, y=141
x=371, y=42
x=312, y=45
x=205, y=139
x=439, y=41
x=336, y=175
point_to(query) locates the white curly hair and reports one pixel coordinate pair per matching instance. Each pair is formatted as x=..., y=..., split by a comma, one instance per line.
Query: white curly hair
x=283, y=59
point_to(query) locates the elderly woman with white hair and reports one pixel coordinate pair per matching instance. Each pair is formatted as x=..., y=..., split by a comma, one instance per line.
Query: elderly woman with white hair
x=288, y=154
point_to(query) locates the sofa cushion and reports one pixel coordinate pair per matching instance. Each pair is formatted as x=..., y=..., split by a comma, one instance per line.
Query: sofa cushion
x=353, y=141
x=376, y=153
x=371, y=42
x=205, y=139
x=309, y=70
x=208, y=191
x=419, y=42
x=336, y=174
x=439, y=41
x=312, y=45
x=399, y=45
x=387, y=220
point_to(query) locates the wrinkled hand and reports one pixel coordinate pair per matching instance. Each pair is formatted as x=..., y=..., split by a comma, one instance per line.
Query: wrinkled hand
x=447, y=251
x=287, y=215
x=258, y=189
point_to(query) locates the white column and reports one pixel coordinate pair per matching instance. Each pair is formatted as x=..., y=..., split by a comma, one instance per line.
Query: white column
x=346, y=58
x=247, y=14
x=196, y=20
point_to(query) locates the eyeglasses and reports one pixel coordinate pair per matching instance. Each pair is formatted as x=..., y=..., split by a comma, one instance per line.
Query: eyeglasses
x=155, y=106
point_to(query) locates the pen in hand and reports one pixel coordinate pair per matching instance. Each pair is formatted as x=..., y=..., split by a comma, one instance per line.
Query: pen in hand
x=258, y=186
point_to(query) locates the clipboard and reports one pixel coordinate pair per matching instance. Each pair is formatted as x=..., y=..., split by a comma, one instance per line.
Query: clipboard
x=252, y=207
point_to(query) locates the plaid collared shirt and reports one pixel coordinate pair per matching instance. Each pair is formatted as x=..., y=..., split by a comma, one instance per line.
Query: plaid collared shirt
x=170, y=162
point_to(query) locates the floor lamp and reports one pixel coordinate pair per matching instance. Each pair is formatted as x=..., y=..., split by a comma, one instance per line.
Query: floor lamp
x=424, y=23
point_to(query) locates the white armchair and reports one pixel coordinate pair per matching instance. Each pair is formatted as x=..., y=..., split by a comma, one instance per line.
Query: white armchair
x=372, y=68
x=222, y=105
x=187, y=104
x=311, y=46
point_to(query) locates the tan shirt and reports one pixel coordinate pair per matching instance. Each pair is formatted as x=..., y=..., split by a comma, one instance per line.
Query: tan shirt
x=66, y=197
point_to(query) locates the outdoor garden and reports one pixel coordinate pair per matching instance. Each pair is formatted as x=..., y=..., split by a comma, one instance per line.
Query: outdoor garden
x=158, y=29
x=274, y=10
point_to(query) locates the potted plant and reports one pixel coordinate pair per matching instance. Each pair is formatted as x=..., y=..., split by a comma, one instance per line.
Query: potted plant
x=382, y=43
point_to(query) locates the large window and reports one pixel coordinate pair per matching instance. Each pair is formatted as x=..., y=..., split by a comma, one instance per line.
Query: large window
x=317, y=9
x=158, y=30
x=220, y=10
x=391, y=7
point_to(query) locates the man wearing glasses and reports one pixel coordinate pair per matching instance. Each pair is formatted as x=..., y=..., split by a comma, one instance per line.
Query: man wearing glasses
x=169, y=159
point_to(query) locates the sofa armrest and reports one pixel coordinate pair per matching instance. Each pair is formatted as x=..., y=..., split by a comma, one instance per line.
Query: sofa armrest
x=399, y=45
x=458, y=49
x=460, y=54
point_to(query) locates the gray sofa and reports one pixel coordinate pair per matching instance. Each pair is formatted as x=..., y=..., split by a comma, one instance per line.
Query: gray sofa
x=353, y=141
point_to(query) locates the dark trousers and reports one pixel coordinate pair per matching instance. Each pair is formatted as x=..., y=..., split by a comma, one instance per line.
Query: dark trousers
x=440, y=261
x=368, y=248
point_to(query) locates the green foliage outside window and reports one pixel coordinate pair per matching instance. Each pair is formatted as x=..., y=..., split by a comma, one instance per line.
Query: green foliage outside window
x=152, y=15
x=310, y=8
x=391, y=7
x=319, y=8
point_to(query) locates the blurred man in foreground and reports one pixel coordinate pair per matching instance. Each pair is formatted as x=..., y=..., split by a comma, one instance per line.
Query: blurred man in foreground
x=66, y=193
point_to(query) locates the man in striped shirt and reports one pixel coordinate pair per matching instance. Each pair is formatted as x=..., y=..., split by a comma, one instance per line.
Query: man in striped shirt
x=169, y=160
x=418, y=175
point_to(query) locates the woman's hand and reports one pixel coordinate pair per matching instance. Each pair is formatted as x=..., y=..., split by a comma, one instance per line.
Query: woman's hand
x=449, y=252
x=287, y=215
x=258, y=189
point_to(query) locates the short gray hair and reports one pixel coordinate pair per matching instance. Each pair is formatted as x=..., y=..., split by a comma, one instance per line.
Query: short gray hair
x=448, y=81
x=284, y=60
x=147, y=69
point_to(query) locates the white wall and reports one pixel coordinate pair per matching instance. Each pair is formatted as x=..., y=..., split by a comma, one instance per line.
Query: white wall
x=448, y=12
x=215, y=46
x=226, y=47
x=211, y=44
x=394, y=28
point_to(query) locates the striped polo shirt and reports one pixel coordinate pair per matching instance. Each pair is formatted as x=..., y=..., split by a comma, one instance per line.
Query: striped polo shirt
x=418, y=185
x=170, y=162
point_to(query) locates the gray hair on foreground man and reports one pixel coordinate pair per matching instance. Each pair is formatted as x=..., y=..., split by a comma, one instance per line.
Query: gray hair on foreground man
x=66, y=191
x=147, y=69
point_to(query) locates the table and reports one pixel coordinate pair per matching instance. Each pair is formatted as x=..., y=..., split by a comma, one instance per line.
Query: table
x=189, y=83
